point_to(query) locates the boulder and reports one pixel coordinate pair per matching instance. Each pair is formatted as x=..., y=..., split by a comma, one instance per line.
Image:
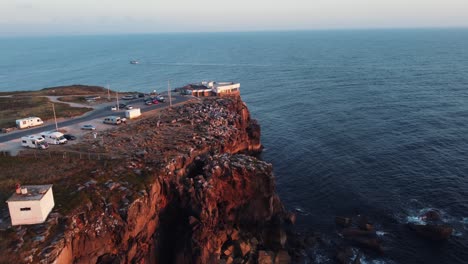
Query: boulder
x=275, y=237
x=343, y=221
x=229, y=250
x=265, y=257
x=431, y=215
x=282, y=257
x=368, y=242
x=344, y=255
x=363, y=224
x=244, y=247
x=290, y=218
x=432, y=232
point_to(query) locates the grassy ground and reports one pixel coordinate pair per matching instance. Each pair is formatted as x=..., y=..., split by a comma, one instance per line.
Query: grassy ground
x=12, y=108
x=62, y=91
x=65, y=175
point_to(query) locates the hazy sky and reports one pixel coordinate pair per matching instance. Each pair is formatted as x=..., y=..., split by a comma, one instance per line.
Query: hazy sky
x=24, y=17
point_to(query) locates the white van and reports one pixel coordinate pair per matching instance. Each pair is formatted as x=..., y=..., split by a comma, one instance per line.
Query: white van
x=113, y=120
x=29, y=122
x=36, y=142
x=54, y=138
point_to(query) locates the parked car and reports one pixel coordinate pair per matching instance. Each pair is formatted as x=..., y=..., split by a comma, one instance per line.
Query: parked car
x=155, y=101
x=88, y=127
x=148, y=102
x=129, y=107
x=160, y=99
x=141, y=95
x=113, y=108
x=122, y=106
x=128, y=97
x=69, y=137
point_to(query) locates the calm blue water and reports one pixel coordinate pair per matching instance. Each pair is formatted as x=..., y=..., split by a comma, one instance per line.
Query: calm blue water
x=370, y=122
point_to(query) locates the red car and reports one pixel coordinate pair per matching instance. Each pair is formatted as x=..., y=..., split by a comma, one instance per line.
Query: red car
x=155, y=101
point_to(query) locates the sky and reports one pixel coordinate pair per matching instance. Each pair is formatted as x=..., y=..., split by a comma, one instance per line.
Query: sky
x=49, y=17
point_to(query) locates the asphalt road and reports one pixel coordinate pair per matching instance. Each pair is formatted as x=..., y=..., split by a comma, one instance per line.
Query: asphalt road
x=97, y=113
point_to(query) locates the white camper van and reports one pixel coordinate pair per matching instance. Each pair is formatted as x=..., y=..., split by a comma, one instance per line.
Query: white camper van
x=36, y=142
x=113, y=120
x=133, y=113
x=53, y=137
x=29, y=122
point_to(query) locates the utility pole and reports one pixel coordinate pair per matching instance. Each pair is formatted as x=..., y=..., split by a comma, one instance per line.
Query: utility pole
x=55, y=117
x=117, y=97
x=108, y=92
x=169, y=93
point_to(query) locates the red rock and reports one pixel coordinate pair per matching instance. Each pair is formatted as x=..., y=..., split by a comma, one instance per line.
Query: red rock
x=282, y=257
x=291, y=218
x=240, y=190
x=244, y=247
x=265, y=257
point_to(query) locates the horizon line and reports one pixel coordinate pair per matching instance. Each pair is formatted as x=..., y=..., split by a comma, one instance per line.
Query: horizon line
x=61, y=34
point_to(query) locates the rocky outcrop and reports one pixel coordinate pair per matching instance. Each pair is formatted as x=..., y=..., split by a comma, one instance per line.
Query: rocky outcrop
x=184, y=193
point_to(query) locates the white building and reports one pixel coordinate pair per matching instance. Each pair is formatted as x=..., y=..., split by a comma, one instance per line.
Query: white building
x=224, y=88
x=32, y=205
x=211, y=88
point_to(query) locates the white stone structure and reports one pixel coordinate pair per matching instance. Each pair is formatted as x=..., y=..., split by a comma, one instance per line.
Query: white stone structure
x=223, y=88
x=32, y=205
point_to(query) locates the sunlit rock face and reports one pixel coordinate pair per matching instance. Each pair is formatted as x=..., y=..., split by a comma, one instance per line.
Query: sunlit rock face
x=185, y=190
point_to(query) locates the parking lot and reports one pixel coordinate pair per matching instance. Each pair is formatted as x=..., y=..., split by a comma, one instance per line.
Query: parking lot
x=12, y=142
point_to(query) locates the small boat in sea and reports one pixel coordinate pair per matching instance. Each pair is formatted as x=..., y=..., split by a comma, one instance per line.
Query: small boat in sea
x=134, y=62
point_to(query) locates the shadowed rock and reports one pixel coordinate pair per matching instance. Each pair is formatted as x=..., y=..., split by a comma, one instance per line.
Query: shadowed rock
x=432, y=232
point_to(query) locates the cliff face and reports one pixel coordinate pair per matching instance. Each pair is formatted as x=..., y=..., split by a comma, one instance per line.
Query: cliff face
x=179, y=192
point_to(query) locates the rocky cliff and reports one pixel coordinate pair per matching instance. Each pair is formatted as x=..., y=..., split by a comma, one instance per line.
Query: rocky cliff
x=180, y=186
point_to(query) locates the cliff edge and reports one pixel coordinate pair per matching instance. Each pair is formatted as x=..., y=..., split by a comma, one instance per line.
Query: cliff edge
x=180, y=186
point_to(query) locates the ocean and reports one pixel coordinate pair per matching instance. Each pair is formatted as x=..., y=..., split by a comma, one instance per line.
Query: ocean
x=370, y=122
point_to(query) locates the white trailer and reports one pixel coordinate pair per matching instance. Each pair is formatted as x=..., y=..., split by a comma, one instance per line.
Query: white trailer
x=113, y=120
x=133, y=113
x=29, y=122
x=36, y=142
x=54, y=138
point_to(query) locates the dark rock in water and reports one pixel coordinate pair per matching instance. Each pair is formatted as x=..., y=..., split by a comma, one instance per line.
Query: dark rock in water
x=369, y=243
x=344, y=255
x=343, y=221
x=432, y=232
x=362, y=238
x=431, y=215
x=363, y=223
x=353, y=232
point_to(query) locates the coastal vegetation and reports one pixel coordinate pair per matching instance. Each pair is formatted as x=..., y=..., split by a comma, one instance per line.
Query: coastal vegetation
x=16, y=107
x=21, y=104
x=75, y=89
